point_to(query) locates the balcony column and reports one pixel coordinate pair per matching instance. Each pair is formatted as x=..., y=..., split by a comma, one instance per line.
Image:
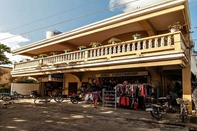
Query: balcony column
x=40, y=62
x=186, y=78
x=86, y=55
x=177, y=41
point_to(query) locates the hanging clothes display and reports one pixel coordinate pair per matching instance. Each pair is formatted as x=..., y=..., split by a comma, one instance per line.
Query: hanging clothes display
x=134, y=96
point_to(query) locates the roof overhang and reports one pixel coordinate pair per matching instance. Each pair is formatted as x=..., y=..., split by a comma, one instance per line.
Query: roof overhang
x=150, y=19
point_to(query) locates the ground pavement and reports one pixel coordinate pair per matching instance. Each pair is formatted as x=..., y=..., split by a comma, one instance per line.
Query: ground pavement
x=119, y=116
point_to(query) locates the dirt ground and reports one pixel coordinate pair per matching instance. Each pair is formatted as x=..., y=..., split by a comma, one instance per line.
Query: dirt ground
x=76, y=117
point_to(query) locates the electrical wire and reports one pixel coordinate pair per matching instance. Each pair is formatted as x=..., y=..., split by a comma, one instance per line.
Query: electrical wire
x=82, y=16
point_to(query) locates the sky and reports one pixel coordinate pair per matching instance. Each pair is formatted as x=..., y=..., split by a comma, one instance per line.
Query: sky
x=23, y=22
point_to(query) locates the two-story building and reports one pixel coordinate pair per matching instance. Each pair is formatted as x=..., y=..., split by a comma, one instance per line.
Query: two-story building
x=159, y=58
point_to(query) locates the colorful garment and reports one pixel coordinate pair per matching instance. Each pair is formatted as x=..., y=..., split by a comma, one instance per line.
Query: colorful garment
x=95, y=94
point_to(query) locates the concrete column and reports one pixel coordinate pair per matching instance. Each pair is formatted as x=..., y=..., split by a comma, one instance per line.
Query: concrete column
x=177, y=41
x=155, y=79
x=186, y=78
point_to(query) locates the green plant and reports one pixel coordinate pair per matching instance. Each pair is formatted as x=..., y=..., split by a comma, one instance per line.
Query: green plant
x=81, y=47
x=54, y=53
x=67, y=50
x=136, y=35
x=175, y=25
x=5, y=90
x=113, y=40
x=27, y=59
x=35, y=57
x=27, y=81
x=95, y=44
x=43, y=55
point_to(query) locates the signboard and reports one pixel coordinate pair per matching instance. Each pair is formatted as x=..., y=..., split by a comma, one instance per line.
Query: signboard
x=123, y=74
x=57, y=78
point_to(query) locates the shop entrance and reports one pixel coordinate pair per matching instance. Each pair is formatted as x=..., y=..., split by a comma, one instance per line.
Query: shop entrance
x=52, y=87
x=72, y=87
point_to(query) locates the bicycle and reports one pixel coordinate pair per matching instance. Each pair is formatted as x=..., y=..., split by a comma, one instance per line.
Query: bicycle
x=38, y=98
x=183, y=108
x=56, y=97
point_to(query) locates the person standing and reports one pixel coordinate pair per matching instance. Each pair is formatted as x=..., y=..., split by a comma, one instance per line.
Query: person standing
x=96, y=96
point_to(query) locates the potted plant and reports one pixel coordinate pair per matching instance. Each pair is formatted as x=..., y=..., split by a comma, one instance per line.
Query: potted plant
x=95, y=44
x=113, y=40
x=82, y=47
x=54, y=53
x=176, y=26
x=136, y=36
x=35, y=57
x=67, y=50
x=43, y=55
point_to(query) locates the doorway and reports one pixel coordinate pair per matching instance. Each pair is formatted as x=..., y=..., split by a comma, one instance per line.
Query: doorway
x=72, y=87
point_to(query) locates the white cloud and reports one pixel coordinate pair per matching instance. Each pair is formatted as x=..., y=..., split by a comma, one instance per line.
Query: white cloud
x=12, y=41
x=133, y=4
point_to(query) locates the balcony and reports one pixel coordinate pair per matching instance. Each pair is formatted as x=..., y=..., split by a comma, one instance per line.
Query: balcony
x=155, y=49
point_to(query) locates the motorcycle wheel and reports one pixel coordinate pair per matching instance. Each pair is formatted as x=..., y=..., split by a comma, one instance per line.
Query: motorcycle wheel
x=21, y=96
x=156, y=113
x=183, y=115
x=74, y=101
x=36, y=100
x=6, y=98
x=58, y=99
x=172, y=110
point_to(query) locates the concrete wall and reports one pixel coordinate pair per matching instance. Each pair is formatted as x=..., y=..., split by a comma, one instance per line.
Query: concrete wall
x=24, y=88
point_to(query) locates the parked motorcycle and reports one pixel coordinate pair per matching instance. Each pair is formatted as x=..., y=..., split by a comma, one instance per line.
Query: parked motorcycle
x=33, y=93
x=12, y=96
x=163, y=106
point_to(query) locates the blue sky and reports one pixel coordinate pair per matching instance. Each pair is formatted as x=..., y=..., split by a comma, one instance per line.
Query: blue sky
x=18, y=17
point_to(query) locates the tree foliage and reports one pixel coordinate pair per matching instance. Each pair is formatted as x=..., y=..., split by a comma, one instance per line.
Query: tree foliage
x=27, y=81
x=3, y=58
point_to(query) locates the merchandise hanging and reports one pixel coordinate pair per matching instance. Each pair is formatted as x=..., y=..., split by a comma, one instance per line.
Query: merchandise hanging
x=134, y=96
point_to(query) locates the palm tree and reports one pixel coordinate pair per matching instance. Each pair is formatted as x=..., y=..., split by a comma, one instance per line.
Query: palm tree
x=3, y=58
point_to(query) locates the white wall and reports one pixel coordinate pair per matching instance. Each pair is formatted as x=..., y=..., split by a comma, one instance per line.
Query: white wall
x=193, y=64
x=24, y=88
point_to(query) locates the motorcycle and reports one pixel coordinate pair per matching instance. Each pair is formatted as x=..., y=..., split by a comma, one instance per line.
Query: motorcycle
x=12, y=96
x=163, y=106
x=33, y=93
x=75, y=98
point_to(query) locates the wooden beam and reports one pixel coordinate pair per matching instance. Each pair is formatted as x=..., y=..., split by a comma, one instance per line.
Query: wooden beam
x=146, y=24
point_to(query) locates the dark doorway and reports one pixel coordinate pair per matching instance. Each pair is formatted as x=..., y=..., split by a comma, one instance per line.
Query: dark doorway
x=72, y=87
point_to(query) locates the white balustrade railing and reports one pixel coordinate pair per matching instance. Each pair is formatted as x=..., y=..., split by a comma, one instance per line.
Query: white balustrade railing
x=27, y=64
x=71, y=56
x=138, y=45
